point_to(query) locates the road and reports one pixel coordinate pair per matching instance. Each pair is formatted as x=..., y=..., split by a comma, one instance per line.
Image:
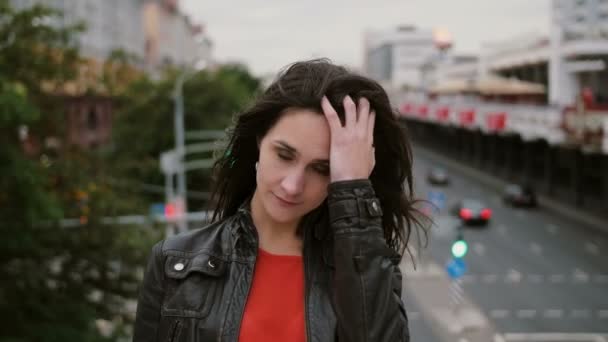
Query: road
x=529, y=270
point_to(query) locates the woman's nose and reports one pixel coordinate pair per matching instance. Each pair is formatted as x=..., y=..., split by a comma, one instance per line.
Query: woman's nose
x=293, y=183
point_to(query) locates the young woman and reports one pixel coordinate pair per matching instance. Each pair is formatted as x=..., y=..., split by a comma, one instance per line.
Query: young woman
x=314, y=212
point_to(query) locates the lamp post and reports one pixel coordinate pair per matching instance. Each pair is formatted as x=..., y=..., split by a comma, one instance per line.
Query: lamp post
x=178, y=97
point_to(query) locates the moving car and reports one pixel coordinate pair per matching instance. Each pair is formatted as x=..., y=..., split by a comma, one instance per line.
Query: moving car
x=519, y=196
x=438, y=176
x=472, y=211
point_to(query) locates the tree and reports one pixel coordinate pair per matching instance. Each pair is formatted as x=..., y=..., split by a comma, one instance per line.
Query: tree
x=56, y=282
x=211, y=99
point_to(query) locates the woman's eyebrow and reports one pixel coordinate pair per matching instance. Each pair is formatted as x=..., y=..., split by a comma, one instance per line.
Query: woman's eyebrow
x=286, y=146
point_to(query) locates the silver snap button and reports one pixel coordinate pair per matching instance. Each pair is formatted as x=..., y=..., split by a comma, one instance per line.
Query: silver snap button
x=211, y=264
x=178, y=267
x=375, y=206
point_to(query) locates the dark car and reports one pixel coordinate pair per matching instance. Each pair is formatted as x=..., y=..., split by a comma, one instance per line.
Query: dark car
x=519, y=196
x=471, y=211
x=438, y=176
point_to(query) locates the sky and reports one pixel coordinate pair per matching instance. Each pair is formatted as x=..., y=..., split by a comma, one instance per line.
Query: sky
x=266, y=35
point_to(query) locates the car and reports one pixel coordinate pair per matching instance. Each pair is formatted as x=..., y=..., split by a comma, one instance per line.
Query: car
x=472, y=211
x=519, y=195
x=438, y=176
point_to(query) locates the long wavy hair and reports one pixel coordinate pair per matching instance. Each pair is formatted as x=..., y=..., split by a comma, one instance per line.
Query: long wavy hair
x=302, y=85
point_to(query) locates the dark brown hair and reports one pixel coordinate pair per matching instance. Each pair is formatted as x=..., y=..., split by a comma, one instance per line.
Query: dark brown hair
x=302, y=85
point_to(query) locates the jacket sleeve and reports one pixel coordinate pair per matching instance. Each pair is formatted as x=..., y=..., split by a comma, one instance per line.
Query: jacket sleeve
x=367, y=276
x=151, y=294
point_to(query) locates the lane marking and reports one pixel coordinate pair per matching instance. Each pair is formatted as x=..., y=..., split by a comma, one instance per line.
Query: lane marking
x=592, y=248
x=526, y=313
x=552, y=229
x=551, y=337
x=553, y=313
x=513, y=276
x=536, y=248
x=580, y=276
x=499, y=313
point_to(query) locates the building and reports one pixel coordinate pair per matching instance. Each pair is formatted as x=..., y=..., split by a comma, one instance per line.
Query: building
x=155, y=32
x=152, y=31
x=572, y=58
x=401, y=57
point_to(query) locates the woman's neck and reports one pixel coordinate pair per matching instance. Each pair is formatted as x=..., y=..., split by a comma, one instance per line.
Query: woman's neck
x=274, y=237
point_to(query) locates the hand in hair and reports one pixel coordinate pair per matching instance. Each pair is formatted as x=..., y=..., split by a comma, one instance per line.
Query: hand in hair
x=351, y=153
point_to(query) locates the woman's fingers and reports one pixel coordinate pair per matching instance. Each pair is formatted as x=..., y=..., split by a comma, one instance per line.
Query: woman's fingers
x=350, y=111
x=330, y=114
x=371, y=121
x=363, y=115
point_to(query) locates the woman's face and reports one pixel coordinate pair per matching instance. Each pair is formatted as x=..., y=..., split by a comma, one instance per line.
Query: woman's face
x=293, y=170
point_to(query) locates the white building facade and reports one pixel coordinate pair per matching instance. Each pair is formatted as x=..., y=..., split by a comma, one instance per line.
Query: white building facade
x=153, y=31
x=400, y=57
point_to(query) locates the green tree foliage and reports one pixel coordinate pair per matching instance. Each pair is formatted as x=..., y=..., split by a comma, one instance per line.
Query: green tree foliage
x=144, y=127
x=64, y=264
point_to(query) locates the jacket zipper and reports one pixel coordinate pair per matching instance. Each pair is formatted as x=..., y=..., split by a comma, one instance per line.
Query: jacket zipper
x=175, y=330
x=249, y=282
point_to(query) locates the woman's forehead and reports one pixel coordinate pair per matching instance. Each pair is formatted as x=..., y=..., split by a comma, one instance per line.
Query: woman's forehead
x=305, y=131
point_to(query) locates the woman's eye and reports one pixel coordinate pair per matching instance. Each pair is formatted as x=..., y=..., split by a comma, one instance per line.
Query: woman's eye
x=323, y=170
x=284, y=156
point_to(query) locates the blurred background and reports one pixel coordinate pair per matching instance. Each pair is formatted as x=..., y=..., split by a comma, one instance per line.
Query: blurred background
x=111, y=112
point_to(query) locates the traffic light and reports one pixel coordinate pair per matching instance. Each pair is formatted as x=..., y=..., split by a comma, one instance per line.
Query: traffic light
x=459, y=247
x=170, y=211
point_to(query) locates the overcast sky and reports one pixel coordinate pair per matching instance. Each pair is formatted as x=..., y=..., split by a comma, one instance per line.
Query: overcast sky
x=268, y=34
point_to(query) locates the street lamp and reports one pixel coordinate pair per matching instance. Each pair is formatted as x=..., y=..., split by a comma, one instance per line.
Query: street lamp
x=178, y=96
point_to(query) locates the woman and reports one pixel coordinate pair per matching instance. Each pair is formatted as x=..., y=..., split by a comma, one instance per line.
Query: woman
x=314, y=211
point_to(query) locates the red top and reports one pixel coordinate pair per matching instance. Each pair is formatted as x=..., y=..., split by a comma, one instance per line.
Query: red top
x=275, y=306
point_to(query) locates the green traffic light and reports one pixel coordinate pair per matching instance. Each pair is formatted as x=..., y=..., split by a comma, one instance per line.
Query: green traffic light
x=459, y=248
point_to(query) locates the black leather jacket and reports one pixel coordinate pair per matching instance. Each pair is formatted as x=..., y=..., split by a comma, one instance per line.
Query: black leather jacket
x=196, y=284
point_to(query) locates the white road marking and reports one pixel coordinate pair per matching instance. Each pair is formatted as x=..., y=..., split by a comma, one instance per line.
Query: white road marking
x=552, y=229
x=592, y=248
x=536, y=248
x=513, y=276
x=553, y=313
x=499, y=313
x=528, y=313
x=580, y=313
x=551, y=337
x=580, y=276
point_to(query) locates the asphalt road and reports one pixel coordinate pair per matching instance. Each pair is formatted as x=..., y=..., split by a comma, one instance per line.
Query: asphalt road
x=529, y=270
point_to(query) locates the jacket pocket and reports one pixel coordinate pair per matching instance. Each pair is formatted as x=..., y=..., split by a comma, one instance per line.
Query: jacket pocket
x=194, y=284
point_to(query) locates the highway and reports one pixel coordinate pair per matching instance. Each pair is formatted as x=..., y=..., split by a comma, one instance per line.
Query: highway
x=529, y=270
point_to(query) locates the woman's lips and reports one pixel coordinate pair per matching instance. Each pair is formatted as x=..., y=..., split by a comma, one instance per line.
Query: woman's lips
x=285, y=202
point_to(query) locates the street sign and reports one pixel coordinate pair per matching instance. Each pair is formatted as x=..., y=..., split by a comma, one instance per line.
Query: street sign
x=456, y=267
x=157, y=209
x=437, y=198
x=169, y=162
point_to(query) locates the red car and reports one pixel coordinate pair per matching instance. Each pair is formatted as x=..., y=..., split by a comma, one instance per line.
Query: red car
x=472, y=212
